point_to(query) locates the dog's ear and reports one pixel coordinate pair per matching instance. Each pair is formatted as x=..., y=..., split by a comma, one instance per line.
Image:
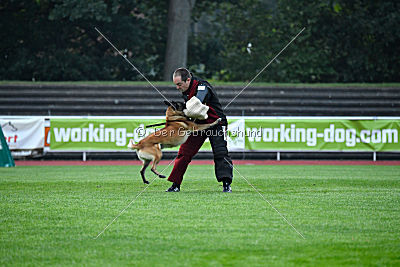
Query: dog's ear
x=180, y=106
x=170, y=104
x=174, y=105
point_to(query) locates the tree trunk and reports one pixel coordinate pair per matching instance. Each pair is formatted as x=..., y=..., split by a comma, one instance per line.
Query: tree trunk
x=178, y=35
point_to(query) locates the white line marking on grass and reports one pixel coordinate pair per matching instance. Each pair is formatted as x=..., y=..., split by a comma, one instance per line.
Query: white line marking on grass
x=264, y=68
x=122, y=211
x=266, y=200
x=127, y=60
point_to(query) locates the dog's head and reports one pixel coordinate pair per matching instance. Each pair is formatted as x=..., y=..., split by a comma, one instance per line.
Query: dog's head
x=178, y=106
x=175, y=108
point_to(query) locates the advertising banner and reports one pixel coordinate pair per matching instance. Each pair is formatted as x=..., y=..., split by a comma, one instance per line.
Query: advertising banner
x=96, y=134
x=244, y=134
x=322, y=135
x=6, y=159
x=23, y=134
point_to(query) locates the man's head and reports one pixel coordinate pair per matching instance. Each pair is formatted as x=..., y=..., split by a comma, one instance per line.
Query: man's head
x=181, y=79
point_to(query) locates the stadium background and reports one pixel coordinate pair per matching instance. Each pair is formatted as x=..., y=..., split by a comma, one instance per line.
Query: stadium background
x=344, y=65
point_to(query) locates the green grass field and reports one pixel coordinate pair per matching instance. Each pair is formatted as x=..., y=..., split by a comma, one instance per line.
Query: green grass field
x=349, y=215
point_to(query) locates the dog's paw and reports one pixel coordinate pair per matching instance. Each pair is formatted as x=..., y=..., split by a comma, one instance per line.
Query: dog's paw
x=162, y=176
x=146, y=182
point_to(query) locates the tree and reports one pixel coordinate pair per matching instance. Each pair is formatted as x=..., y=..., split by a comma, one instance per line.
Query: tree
x=179, y=14
x=344, y=41
x=55, y=39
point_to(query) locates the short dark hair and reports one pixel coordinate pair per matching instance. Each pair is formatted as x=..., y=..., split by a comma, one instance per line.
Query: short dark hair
x=184, y=73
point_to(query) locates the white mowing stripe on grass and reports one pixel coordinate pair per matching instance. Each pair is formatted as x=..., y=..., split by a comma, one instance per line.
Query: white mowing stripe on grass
x=133, y=200
x=266, y=200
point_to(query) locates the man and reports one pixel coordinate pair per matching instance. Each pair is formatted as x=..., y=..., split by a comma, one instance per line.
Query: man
x=202, y=104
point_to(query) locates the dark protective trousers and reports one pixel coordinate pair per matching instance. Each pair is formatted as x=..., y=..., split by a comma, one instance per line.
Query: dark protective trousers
x=223, y=169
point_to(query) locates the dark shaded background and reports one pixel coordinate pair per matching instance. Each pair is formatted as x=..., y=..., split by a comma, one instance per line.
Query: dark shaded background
x=344, y=41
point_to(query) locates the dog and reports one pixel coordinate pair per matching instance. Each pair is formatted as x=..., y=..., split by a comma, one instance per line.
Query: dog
x=177, y=129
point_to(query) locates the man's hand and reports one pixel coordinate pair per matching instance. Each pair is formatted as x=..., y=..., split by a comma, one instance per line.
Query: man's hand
x=195, y=109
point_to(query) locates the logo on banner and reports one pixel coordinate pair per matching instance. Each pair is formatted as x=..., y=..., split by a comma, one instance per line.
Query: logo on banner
x=23, y=134
x=236, y=135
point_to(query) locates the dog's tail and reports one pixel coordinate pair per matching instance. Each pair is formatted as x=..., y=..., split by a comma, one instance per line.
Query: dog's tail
x=132, y=145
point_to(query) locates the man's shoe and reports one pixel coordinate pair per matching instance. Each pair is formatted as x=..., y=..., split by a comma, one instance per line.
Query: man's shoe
x=227, y=187
x=174, y=188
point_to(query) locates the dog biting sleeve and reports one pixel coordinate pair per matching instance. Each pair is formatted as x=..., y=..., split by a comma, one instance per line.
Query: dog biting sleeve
x=195, y=109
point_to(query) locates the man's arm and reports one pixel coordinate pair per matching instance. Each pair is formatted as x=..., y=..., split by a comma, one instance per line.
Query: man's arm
x=202, y=93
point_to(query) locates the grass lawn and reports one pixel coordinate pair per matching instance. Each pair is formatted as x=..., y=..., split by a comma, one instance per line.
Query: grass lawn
x=349, y=215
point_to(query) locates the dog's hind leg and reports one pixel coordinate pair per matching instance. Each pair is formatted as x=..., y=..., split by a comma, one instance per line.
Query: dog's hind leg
x=143, y=170
x=156, y=160
x=153, y=169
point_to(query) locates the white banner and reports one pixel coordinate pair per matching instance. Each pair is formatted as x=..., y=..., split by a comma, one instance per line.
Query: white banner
x=24, y=134
x=236, y=140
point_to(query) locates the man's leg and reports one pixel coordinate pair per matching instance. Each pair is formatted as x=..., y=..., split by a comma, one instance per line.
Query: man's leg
x=186, y=152
x=222, y=160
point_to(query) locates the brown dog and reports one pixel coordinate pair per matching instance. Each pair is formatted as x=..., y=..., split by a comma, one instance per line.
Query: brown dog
x=176, y=131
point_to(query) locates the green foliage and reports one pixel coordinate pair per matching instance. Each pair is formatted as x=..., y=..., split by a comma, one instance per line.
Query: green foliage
x=56, y=40
x=344, y=41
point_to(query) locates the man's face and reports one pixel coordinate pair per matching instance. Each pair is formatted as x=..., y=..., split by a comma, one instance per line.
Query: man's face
x=182, y=86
